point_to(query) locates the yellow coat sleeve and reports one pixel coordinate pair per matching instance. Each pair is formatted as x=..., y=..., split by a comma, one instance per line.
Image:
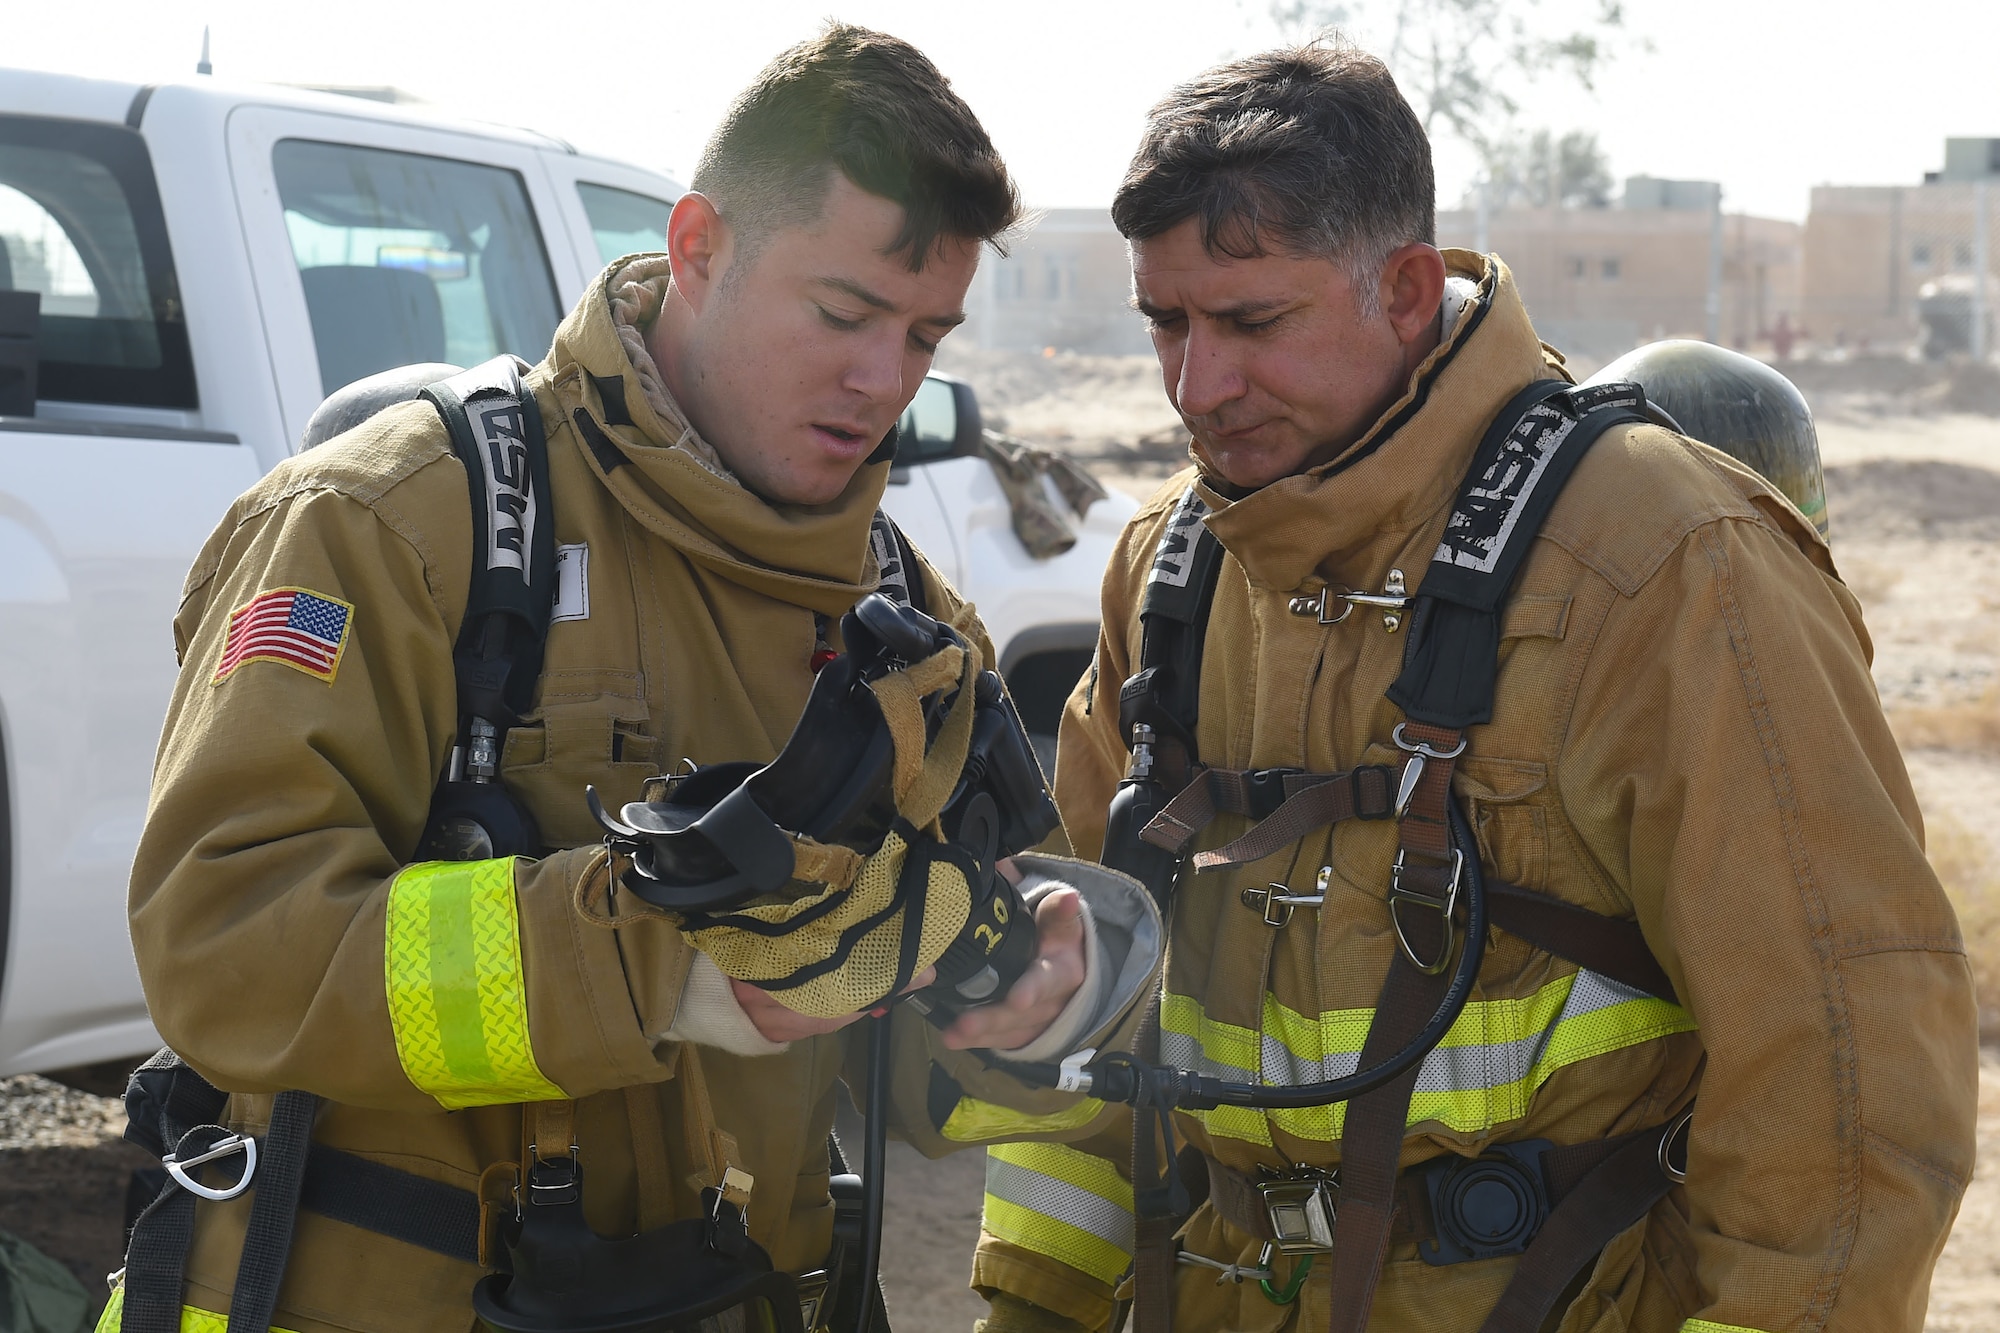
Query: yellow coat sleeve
x=281, y=939
x=1729, y=767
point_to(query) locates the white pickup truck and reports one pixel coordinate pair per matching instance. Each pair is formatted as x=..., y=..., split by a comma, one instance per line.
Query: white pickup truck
x=188, y=268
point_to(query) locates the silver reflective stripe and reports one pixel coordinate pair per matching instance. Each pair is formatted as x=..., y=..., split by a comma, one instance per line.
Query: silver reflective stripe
x=1183, y=1050
x=1059, y=1199
x=1450, y=1068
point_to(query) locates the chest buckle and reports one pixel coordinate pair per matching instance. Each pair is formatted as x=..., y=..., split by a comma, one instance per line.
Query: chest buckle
x=1300, y=1206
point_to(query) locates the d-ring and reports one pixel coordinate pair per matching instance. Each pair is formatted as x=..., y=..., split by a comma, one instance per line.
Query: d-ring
x=228, y=1145
x=1677, y=1132
x=1445, y=909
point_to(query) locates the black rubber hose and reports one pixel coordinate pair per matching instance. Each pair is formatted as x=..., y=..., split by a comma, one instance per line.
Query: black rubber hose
x=1117, y=1079
x=1204, y=1092
x=874, y=1169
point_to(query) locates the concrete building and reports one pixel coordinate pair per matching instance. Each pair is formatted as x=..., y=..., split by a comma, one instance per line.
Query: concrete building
x=1874, y=254
x=1600, y=281
x=1066, y=284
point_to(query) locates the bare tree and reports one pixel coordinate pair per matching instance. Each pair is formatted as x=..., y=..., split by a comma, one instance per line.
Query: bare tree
x=1541, y=170
x=1461, y=62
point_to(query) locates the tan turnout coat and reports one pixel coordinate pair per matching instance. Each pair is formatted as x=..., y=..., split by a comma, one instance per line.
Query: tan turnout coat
x=285, y=805
x=1685, y=732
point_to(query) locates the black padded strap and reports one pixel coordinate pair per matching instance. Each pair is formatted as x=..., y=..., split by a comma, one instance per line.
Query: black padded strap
x=902, y=579
x=156, y=1263
x=1527, y=454
x=1165, y=692
x=496, y=430
x=267, y=1242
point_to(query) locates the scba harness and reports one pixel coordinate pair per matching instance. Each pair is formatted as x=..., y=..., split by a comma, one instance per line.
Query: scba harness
x=969, y=752
x=1555, y=1206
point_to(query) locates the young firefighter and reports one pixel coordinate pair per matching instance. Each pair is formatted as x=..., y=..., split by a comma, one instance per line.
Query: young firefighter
x=1684, y=741
x=713, y=417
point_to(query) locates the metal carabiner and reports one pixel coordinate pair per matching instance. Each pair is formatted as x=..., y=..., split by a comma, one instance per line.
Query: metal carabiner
x=1445, y=909
x=226, y=1146
x=1677, y=1132
x=1420, y=753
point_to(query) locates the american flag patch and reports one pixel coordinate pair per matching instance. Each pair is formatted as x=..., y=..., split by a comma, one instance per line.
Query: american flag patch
x=302, y=629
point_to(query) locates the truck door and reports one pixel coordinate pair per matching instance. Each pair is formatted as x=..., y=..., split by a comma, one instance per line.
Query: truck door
x=107, y=490
x=392, y=242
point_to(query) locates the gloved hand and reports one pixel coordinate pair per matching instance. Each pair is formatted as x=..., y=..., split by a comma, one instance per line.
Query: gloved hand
x=1011, y=1314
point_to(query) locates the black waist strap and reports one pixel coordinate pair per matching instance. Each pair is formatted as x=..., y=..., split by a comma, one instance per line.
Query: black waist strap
x=425, y=1213
x=290, y=1175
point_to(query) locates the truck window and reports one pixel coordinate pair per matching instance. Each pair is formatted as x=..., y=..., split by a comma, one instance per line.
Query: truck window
x=410, y=258
x=80, y=226
x=624, y=223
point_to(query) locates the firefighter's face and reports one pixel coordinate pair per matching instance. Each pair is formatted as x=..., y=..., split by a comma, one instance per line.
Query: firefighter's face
x=795, y=354
x=1278, y=363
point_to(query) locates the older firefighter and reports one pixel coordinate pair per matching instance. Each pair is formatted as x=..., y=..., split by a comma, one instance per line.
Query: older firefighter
x=1684, y=742
x=713, y=417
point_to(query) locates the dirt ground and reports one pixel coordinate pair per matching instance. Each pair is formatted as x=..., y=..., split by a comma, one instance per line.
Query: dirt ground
x=1913, y=483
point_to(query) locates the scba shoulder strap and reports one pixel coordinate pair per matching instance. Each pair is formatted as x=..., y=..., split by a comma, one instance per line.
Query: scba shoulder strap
x=497, y=433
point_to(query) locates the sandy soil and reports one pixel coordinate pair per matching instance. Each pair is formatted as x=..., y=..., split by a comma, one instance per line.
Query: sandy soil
x=1914, y=491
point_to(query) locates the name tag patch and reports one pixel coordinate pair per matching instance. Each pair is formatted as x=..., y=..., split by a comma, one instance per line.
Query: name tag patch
x=572, y=583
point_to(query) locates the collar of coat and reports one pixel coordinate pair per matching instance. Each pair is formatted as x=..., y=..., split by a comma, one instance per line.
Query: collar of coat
x=1347, y=520
x=670, y=480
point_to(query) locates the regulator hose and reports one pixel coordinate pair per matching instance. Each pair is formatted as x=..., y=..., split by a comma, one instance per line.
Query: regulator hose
x=874, y=1169
x=1120, y=1078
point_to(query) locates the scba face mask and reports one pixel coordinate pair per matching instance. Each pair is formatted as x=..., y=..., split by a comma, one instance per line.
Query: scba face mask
x=864, y=853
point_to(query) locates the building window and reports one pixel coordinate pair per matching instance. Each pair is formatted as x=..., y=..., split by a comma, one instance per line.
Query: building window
x=1920, y=255
x=1961, y=255
x=1611, y=270
x=1576, y=269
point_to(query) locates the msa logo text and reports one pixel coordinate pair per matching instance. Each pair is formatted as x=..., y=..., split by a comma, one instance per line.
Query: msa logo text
x=501, y=429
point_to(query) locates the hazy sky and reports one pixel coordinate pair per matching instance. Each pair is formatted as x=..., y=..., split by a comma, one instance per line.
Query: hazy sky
x=1769, y=96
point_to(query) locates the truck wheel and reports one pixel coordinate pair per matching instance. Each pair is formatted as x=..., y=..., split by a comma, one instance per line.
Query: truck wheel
x=1041, y=685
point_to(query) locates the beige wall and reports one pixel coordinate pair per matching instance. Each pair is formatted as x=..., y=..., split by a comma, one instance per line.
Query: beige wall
x=1066, y=284
x=1870, y=248
x=1605, y=279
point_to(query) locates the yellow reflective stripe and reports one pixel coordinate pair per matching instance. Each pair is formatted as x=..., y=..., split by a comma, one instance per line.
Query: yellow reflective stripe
x=192, y=1320
x=1063, y=1202
x=1484, y=1073
x=458, y=996
x=1072, y=1245
x=974, y=1121
x=1070, y=1205
x=1710, y=1326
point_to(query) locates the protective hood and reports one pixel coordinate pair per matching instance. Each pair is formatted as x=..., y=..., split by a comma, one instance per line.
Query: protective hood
x=673, y=483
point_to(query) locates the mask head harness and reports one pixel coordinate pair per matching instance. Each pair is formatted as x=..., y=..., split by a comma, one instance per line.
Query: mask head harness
x=865, y=851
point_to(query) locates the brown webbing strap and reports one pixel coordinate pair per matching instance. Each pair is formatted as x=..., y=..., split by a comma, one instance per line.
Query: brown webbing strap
x=548, y=1132
x=1364, y=793
x=1606, y=945
x=1152, y=1228
x=655, y=1204
x=1610, y=1199
x=1371, y=1144
x=1308, y=801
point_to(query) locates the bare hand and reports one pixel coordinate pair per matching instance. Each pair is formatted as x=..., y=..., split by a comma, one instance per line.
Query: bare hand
x=775, y=1022
x=1044, y=989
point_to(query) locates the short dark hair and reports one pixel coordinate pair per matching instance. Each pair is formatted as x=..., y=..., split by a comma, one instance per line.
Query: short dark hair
x=1309, y=150
x=874, y=108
